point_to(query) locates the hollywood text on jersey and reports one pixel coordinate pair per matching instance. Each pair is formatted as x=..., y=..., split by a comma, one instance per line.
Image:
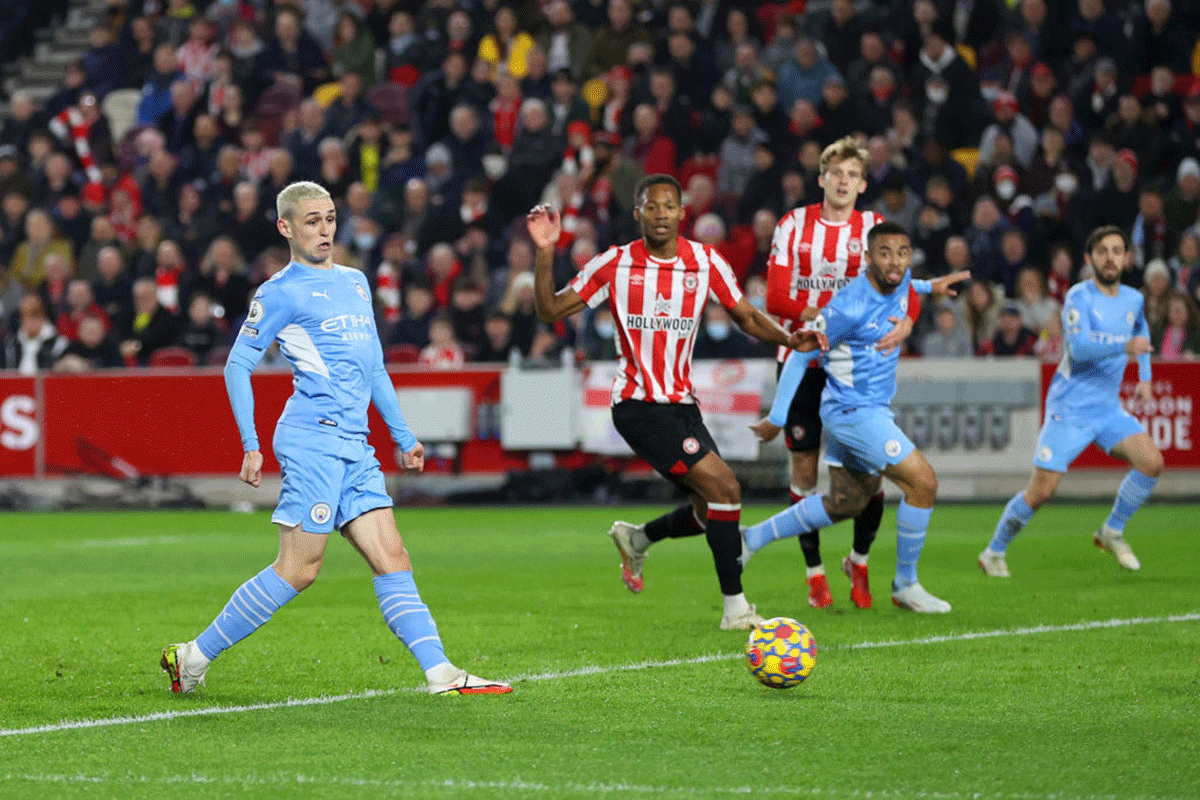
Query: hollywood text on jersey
x=644, y=322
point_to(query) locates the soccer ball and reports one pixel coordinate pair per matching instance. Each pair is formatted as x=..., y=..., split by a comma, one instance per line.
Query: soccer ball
x=781, y=653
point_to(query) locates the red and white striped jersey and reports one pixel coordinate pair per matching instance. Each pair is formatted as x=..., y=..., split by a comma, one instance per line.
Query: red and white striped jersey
x=811, y=259
x=657, y=307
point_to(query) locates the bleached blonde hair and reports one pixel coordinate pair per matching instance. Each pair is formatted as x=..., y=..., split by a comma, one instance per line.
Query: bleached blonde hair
x=293, y=193
x=845, y=148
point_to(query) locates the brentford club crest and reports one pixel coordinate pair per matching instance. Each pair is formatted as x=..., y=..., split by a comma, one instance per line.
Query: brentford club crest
x=690, y=282
x=691, y=446
x=854, y=246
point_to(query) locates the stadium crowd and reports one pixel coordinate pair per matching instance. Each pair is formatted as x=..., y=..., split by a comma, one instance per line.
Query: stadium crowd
x=999, y=134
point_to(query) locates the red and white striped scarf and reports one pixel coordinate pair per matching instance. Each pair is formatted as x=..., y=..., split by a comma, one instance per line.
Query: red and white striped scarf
x=69, y=126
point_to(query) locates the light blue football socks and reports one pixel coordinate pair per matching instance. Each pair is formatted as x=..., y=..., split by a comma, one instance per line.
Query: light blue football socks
x=248, y=610
x=409, y=618
x=807, y=515
x=1015, y=517
x=911, y=526
x=1134, y=491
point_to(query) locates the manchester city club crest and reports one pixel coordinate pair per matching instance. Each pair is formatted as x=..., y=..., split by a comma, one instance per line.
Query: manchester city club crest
x=362, y=292
x=320, y=513
x=892, y=448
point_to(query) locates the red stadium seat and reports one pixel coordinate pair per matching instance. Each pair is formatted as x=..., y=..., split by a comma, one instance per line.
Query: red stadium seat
x=216, y=357
x=172, y=357
x=391, y=101
x=402, y=354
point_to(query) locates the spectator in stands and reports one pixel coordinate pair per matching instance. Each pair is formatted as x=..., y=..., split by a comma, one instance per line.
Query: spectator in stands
x=803, y=76
x=1151, y=235
x=535, y=155
x=36, y=345
x=611, y=42
x=137, y=53
x=980, y=307
x=1037, y=308
x=419, y=310
x=649, y=147
x=497, y=341
x=737, y=152
x=1013, y=258
x=93, y=348
x=565, y=41
x=1183, y=200
x=1096, y=99
x=1011, y=122
x=26, y=269
x=200, y=332
x=1185, y=264
x=1117, y=203
x=443, y=350
x=222, y=278
x=694, y=68
x=437, y=93
x=897, y=202
x=468, y=314
x=506, y=44
x=112, y=287
x=53, y=287
x=1128, y=129
x=1156, y=288
x=402, y=49
x=717, y=337
x=1011, y=338
x=152, y=325
x=354, y=49
x=1178, y=335
x=1163, y=105
x=80, y=303
x=518, y=305
x=247, y=226
x=949, y=338
x=1046, y=36
x=293, y=57
x=102, y=62
x=156, y=93
x=179, y=119
x=1159, y=38
x=350, y=108
x=198, y=55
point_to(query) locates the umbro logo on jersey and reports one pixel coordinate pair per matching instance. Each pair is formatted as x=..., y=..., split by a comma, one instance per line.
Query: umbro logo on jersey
x=321, y=294
x=806, y=247
x=636, y=280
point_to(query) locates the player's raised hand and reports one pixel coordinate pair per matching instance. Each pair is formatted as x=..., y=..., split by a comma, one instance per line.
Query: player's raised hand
x=252, y=463
x=545, y=226
x=1144, y=391
x=895, y=337
x=765, y=430
x=941, y=286
x=805, y=341
x=414, y=459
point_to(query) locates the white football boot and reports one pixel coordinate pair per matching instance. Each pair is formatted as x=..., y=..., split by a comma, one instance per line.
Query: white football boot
x=1114, y=542
x=915, y=598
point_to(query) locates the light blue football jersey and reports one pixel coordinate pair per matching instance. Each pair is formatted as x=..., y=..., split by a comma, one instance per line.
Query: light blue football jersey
x=325, y=323
x=855, y=320
x=1096, y=328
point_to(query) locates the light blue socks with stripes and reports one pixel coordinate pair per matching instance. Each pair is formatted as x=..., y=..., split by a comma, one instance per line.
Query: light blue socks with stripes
x=911, y=525
x=1134, y=491
x=248, y=610
x=409, y=618
x=1015, y=517
x=807, y=515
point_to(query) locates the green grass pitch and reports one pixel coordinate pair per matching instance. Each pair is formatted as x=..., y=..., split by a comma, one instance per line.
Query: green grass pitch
x=1074, y=680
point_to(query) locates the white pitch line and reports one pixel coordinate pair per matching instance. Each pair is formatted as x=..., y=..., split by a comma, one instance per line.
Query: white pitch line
x=458, y=786
x=323, y=700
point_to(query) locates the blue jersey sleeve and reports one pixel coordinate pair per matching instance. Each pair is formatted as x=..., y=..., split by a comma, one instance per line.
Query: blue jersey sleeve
x=383, y=395
x=922, y=286
x=270, y=311
x=1084, y=342
x=789, y=382
x=837, y=324
x=1142, y=328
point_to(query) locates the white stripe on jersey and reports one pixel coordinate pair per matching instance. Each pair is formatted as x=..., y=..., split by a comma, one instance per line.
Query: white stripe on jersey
x=840, y=365
x=299, y=346
x=657, y=307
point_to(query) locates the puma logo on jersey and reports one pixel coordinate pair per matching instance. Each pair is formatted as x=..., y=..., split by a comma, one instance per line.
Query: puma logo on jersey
x=321, y=294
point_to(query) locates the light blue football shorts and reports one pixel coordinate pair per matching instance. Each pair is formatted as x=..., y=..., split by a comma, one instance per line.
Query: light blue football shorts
x=1065, y=434
x=864, y=439
x=328, y=481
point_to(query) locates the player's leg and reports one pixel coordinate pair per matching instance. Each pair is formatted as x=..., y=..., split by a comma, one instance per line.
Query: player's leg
x=375, y=536
x=854, y=565
x=916, y=478
x=304, y=514
x=1060, y=440
x=849, y=492
x=802, y=437
x=712, y=480
x=250, y=607
x=660, y=434
x=1147, y=464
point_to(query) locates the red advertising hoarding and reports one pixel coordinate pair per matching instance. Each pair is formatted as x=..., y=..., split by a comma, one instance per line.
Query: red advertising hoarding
x=1169, y=418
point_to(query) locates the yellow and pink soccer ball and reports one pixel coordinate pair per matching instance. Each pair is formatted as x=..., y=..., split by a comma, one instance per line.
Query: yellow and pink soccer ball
x=781, y=653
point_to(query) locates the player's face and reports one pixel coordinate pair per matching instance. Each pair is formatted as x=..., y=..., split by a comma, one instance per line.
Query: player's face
x=1107, y=258
x=889, y=258
x=660, y=214
x=310, y=231
x=842, y=181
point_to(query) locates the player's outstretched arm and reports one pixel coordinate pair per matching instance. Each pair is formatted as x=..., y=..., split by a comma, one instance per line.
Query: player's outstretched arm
x=942, y=286
x=545, y=227
x=760, y=326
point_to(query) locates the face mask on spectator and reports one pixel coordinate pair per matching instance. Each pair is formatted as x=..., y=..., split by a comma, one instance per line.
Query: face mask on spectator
x=494, y=166
x=1065, y=182
x=1006, y=190
x=937, y=96
x=717, y=331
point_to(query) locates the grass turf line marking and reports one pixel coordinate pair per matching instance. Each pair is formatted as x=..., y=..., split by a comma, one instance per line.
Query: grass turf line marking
x=323, y=700
x=556, y=790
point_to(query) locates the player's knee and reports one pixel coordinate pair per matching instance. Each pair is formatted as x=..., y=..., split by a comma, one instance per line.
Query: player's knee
x=299, y=576
x=926, y=485
x=1152, y=466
